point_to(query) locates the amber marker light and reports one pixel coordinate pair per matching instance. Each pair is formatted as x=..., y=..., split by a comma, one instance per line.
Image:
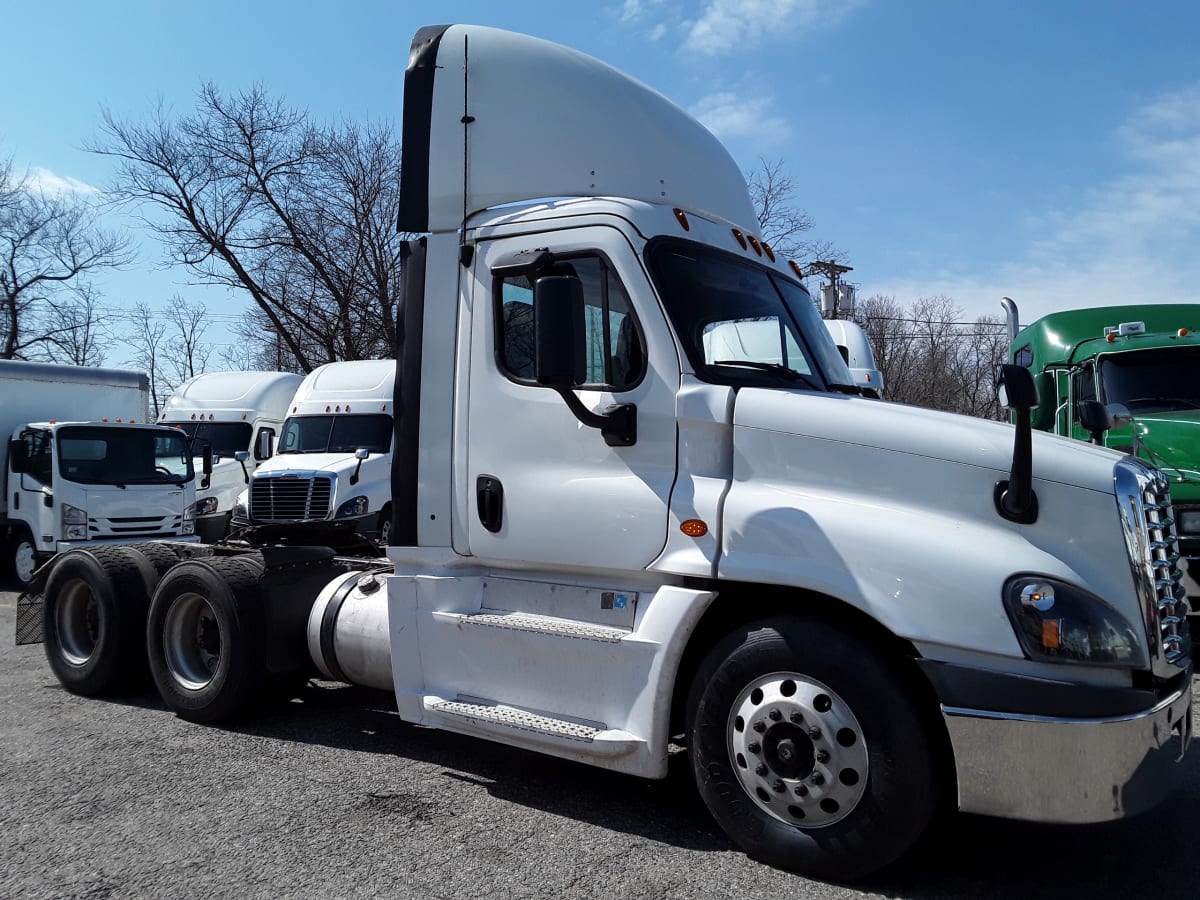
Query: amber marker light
x=682, y=218
x=1111, y=337
x=741, y=238
x=693, y=528
x=796, y=268
x=767, y=250
x=754, y=244
x=1183, y=332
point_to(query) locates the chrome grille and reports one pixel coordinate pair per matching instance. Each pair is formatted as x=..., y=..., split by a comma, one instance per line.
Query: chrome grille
x=290, y=498
x=1146, y=512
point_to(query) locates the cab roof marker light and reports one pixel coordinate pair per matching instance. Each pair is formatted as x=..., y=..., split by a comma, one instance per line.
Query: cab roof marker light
x=739, y=237
x=796, y=268
x=767, y=250
x=1183, y=332
x=682, y=218
x=754, y=245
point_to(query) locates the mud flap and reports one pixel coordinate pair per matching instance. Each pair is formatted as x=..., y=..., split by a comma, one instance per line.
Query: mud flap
x=29, y=607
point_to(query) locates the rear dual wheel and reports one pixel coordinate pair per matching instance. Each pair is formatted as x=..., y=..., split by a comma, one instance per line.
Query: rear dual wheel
x=808, y=751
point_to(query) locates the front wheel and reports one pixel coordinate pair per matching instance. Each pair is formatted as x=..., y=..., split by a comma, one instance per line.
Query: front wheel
x=808, y=751
x=23, y=554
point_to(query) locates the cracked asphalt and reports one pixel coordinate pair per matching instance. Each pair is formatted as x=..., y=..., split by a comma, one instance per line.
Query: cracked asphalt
x=333, y=796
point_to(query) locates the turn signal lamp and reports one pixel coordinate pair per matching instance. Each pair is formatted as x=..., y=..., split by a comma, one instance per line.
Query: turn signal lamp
x=693, y=528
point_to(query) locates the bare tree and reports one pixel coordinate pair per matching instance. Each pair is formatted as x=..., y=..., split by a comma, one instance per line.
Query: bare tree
x=147, y=340
x=780, y=222
x=187, y=352
x=49, y=243
x=252, y=194
x=77, y=332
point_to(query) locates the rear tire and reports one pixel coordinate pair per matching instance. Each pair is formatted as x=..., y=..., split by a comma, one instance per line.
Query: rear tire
x=205, y=638
x=808, y=751
x=94, y=618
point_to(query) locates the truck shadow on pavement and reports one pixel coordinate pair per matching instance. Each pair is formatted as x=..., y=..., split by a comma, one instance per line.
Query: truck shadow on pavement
x=963, y=856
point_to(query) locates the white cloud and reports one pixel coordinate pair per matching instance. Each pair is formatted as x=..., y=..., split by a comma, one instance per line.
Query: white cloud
x=731, y=115
x=47, y=182
x=1131, y=239
x=725, y=25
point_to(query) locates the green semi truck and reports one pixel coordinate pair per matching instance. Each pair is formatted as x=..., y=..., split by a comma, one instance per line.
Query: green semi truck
x=1125, y=377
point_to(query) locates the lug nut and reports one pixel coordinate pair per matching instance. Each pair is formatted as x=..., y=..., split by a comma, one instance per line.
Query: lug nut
x=822, y=756
x=817, y=778
x=814, y=733
x=797, y=718
x=775, y=715
x=802, y=790
x=761, y=771
x=760, y=727
x=779, y=787
x=753, y=747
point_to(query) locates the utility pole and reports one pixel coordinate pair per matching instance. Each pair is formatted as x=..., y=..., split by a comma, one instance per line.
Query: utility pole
x=834, y=272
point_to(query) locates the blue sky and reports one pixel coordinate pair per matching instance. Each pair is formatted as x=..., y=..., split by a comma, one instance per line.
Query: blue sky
x=1045, y=150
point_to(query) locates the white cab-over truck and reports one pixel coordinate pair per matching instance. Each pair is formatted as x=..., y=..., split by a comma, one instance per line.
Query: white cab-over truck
x=331, y=475
x=82, y=468
x=607, y=540
x=237, y=417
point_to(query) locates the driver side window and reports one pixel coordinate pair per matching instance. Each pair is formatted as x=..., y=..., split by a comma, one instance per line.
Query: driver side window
x=39, y=463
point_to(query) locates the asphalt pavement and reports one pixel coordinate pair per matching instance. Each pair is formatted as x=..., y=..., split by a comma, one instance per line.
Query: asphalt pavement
x=333, y=796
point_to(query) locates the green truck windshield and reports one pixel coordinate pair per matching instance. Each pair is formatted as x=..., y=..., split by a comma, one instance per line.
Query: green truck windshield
x=1161, y=380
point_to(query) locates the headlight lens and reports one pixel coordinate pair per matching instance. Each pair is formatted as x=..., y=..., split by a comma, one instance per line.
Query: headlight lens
x=206, y=507
x=1189, y=520
x=189, y=520
x=1058, y=622
x=74, y=522
x=355, y=506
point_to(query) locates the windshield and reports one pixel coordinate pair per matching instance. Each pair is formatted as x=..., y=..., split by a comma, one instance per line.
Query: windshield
x=225, y=438
x=1164, y=380
x=95, y=454
x=741, y=323
x=336, y=434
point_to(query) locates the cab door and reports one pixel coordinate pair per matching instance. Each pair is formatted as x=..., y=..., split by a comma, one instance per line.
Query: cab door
x=547, y=491
x=32, y=488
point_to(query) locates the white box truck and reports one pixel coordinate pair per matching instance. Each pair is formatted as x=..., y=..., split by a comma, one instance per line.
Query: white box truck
x=237, y=416
x=330, y=478
x=607, y=541
x=81, y=465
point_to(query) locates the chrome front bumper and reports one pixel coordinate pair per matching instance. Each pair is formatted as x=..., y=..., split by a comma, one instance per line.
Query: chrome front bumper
x=1045, y=769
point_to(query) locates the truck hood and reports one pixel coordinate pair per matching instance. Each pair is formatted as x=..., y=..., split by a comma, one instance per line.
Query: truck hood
x=136, y=501
x=1171, y=442
x=315, y=462
x=924, y=433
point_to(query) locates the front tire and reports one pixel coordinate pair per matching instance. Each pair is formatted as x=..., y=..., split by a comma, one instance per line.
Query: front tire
x=808, y=751
x=23, y=554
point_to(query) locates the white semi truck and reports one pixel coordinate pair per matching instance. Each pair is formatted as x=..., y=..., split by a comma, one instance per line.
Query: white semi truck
x=81, y=466
x=331, y=476
x=237, y=416
x=606, y=540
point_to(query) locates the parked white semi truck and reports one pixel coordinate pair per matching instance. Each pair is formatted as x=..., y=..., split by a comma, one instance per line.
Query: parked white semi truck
x=82, y=467
x=331, y=475
x=606, y=540
x=232, y=415
x=855, y=346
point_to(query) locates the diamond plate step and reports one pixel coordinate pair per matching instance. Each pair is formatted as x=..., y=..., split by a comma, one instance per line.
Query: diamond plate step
x=586, y=631
x=496, y=714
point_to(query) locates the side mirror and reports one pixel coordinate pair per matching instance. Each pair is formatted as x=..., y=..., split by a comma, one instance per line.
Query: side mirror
x=17, y=457
x=360, y=454
x=1015, y=388
x=265, y=446
x=1014, y=498
x=206, y=465
x=1095, y=419
x=241, y=456
x=558, y=331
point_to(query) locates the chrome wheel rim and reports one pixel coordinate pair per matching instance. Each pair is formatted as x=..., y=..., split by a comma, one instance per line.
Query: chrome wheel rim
x=24, y=561
x=192, y=641
x=798, y=750
x=77, y=621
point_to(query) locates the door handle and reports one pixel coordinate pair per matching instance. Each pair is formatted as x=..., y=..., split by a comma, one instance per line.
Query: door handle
x=489, y=498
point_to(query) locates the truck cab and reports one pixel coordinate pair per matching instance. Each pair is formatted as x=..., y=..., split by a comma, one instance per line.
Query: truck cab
x=331, y=472
x=237, y=417
x=1126, y=377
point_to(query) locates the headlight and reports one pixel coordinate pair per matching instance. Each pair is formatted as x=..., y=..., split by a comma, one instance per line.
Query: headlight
x=355, y=506
x=1057, y=622
x=240, y=511
x=1189, y=520
x=189, y=520
x=74, y=523
x=206, y=507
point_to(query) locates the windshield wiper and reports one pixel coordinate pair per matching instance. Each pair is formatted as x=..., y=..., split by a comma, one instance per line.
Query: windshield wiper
x=775, y=368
